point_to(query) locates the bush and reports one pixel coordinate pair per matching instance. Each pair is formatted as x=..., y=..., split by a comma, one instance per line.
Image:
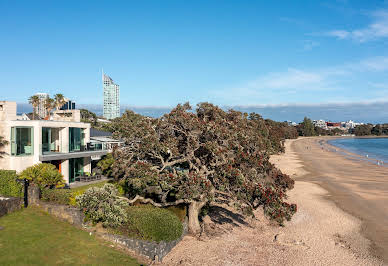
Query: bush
x=105, y=164
x=78, y=191
x=59, y=196
x=8, y=184
x=153, y=224
x=44, y=175
x=103, y=205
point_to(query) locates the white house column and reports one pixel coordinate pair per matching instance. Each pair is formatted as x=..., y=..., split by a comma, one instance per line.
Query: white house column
x=65, y=170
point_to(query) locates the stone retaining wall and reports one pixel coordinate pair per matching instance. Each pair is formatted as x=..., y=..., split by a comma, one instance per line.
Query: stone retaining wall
x=9, y=204
x=66, y=213
x=153, y=250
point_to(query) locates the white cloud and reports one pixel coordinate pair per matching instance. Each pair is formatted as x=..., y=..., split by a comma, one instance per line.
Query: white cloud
x=290, y=79
x=376, y=30
x=282, y=86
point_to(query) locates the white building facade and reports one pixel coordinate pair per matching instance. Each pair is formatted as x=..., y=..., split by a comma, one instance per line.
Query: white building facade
x=61, y=142
x=111, y=98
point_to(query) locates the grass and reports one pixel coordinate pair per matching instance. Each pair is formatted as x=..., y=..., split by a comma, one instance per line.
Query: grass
x=32, y=237
x=85, y=187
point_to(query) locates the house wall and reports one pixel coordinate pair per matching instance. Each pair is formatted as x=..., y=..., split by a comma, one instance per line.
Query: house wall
x=19, y=163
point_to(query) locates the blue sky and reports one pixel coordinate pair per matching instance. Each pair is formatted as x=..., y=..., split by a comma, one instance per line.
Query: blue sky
x=246, y=53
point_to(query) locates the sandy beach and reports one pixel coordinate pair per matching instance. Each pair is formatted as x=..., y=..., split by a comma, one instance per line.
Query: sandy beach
x=335, y=223
x=357, y=186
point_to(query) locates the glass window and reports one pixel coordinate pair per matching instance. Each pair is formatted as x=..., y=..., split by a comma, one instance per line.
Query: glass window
x=76, y=139
x=22, y=141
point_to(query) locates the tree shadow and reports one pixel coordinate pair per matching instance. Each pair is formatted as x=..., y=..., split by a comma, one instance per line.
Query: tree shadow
x=220, y=215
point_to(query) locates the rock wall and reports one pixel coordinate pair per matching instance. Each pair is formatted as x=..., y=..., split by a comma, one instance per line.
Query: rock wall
x=66, y=213
x=9, y=204
x=153, y=250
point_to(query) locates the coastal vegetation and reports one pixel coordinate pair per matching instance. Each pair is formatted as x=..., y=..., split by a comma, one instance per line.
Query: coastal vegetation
x=369, y=129
x=198, y=157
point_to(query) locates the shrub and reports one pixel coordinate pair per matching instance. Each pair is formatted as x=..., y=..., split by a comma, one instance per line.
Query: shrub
x=75, y=192
x=153, y=224
x=8, y=184
x=59, y=196
x=44, y=175
x=179, y=210
x=105, y=164
x=103, y=205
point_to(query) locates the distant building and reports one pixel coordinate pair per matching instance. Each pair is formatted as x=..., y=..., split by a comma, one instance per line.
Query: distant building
x=320, y=123
x=290, y=123
x=41, y=109
x=111, y=98
x=69, y=105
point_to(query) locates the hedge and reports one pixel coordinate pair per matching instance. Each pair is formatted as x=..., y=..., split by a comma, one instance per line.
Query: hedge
x=58, y=196
x=67, y=196
x=153, y=224
x=8, y=184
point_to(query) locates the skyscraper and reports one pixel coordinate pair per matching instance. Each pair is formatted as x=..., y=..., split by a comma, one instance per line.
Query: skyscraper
x=111, y=97
x=41, y=109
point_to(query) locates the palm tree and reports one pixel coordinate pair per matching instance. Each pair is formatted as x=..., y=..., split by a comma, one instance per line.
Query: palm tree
x=59, y=100
x=49, y=104
x=3, y=142
x=34, y=100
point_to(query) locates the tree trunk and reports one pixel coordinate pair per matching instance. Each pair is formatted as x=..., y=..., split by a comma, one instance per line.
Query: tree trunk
x=194, y=209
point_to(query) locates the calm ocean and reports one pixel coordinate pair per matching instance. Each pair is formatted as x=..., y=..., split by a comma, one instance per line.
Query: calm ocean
x=376, y=148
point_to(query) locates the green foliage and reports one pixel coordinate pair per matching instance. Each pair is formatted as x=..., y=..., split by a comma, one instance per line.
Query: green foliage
x=186, y=156
x=274, y=206
x=58, y=196
x=88, y=117
x=105, y=164
x=306, y=128
x=78, y=191
x=179, y=210
x=103, y=205
x=153, y=224
x=43, y=175
x=369, y=129
x=8, y=184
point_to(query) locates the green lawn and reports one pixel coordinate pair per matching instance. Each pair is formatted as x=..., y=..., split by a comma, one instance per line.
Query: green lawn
x=85, y=187
x=31, y=237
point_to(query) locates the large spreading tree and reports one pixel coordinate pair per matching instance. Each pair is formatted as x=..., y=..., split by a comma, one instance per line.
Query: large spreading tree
x=196, y=157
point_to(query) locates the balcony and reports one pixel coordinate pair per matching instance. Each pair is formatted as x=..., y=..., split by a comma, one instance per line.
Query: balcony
x=88, y=150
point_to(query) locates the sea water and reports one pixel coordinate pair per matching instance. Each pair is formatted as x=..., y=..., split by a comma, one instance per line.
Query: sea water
x=373, y=148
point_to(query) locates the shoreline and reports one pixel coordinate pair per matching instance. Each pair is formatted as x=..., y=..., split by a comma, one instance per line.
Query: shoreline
x=356, y=185
x=350, y=154
x=320, y=233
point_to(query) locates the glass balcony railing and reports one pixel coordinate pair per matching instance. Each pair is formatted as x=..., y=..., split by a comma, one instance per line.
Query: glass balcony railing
x=47, y=149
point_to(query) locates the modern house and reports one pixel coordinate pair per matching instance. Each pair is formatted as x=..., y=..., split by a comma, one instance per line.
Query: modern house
x=63, y=141
x=111, y=98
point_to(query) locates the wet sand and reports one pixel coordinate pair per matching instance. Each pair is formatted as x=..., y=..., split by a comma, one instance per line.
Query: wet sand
x=320, y=233
x=358, y=187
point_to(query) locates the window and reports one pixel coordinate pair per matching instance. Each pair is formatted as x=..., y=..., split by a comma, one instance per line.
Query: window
x=76, y=139
x=22, y=141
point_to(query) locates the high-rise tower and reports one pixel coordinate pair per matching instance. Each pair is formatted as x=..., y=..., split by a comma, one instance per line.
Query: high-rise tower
x=41, y=109
x=111, y=97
